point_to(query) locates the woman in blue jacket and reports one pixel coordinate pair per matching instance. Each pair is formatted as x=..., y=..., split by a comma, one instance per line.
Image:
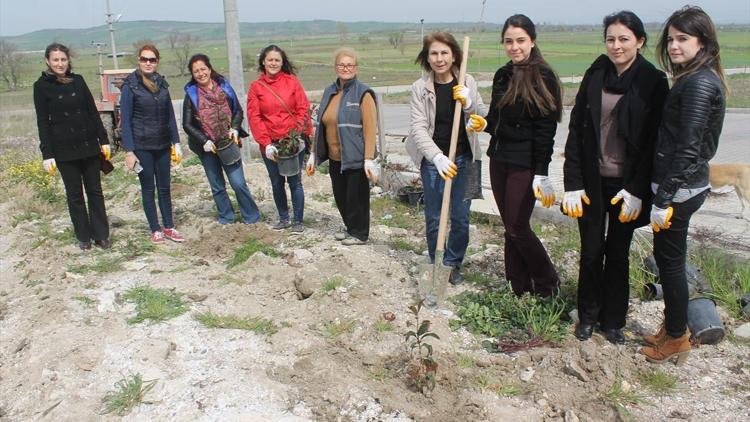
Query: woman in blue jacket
x=149, y=133
x=212, y=118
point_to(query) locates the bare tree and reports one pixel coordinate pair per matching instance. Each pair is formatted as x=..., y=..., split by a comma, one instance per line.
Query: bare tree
x=182, y=46
x=343, y=31
x=10, y=64
x=396, y=40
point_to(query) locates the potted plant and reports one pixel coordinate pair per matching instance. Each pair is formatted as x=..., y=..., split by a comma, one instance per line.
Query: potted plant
x=412, y=193
x=289, y=147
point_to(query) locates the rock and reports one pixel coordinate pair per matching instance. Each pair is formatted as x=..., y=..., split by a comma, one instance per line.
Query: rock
x=626, y=387
x=116, y=222
x=571, y=368
x=305, y=287
x=743, y=331
x=527, y=374
x=376, y=190
x=301, y=410
x=195, y=297
x=570, y=416
x=72, y=276
x=679, y=414
x=24, y=343
x=588, y=351
x=106, y=302
x=300, y=256
x=399, y=232
x=745, y=312
x=542, y=402
x=155, y=350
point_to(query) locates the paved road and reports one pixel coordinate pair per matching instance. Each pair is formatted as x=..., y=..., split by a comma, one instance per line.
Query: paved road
x=717, y=216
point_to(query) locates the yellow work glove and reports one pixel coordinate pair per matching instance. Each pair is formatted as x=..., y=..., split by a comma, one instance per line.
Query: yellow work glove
x=176, y=154
x=106, y=151
x=631, y=206
x=234, y=135
x=660, y=218
x=573, y=203
x=476, y=123
x=49, y=165
x=445, y=167
x=310, y=167
x=543, y=190
x=461, y=93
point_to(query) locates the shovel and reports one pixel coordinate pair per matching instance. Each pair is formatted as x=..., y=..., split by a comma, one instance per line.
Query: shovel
x=435, y=282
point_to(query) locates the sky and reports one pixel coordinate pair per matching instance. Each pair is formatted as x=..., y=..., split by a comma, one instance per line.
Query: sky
x=23, y=16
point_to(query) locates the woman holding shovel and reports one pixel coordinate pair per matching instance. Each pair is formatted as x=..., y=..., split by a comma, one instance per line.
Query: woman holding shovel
x=688, y=138
x=526, y=106
x=432, y=113
x=212, y=119
x=608, y=159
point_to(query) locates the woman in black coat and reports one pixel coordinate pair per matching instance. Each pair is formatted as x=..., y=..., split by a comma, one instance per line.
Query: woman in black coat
x=608, y=156
x=73, y=139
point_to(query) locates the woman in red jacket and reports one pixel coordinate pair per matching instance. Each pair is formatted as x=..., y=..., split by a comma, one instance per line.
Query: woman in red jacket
x=276, y=105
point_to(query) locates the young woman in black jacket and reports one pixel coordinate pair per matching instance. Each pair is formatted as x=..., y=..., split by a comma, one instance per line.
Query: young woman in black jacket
x=607, y=170
x=72, y=138
x=688, y=137
x=522, y=119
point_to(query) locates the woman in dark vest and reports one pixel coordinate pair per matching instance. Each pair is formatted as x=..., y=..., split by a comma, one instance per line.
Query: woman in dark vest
x=688, y=138
x=347, y=123
x=72, y=138
x=150, y=139
x=607, y=170
x=211, y=114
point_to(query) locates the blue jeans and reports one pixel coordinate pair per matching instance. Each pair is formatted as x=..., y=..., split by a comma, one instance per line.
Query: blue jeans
x=248, y=209
x=155, y=164
x=458, y=237
x=279, y=193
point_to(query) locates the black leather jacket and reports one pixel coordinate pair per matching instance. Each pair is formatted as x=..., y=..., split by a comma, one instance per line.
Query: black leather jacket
x=688, y=134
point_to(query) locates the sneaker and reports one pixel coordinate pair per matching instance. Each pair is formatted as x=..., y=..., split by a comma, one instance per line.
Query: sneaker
x=298, y=228
x=281, y=225
x=455, y=277
x=353, y=241
x=84, y=245
x=341, y=235
x=157, y=237
x=173, y=235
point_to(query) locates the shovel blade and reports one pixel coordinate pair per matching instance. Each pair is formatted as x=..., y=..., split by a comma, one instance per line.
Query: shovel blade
x=433, y=280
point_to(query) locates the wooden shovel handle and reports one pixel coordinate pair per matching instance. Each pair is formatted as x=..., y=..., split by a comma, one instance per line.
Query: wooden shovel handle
x=444, y=209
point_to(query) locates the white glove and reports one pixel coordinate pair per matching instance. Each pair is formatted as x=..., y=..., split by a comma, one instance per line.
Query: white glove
x=445, y=167
x=631, y=206
x=572, y=205
x=372, y=170
x=543, y=190
x=461, y=93
x=301, y=146
x=106, y=151
x=49, y=165
x=234, y=135
x=310, y=167
x=209, y=146
x=660, y=218
x=271, y=152
x=178, y=150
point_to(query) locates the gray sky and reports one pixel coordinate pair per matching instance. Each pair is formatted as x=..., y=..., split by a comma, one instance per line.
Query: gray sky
x=22, y=16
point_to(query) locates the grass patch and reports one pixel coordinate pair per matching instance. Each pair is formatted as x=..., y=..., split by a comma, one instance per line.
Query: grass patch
x=85, y=300
x=193, y=160
x=729, y=277
x=255, y=324
x=383, y=326
x=659, y=382
x=391, y=213
x=128, y=393
x=478, y=279
x=134, y=245
x=333, y=329
x=378, y=374
x=155, y=305
x=405, y=245
x=639, y=274
x=333, y=283
x=44, y=187
x=619, y=397
x=102, y=265
x=501, y=314
x=250, y=248
x=465, y=361
x=486, y=383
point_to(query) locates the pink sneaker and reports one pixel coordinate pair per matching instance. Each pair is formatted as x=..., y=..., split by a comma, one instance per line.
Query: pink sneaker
x=157, y=237
x=173, y=235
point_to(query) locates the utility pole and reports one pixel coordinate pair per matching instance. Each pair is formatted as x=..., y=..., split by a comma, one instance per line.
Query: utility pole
x=110, y=22
x=421, y=36
x=99, y=54
x=479, y=44
x=234, y=55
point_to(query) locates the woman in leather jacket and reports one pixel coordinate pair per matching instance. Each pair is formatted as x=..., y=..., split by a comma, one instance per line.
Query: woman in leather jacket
x=212, y=119
x=688, y=137
x=607, y=170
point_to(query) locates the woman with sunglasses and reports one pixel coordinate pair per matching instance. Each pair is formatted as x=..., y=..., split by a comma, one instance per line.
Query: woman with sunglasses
x=346, y=138
x=150, y=139
x=608, y=159
x=212, y=118
x=688, y=138
x=73, y=139
x=276, y=106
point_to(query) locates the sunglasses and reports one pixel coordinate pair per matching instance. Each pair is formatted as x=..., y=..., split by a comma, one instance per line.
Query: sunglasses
x=148, y=59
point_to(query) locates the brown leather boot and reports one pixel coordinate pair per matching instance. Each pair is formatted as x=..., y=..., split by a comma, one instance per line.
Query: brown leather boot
x=655, y=339
x=668, y=348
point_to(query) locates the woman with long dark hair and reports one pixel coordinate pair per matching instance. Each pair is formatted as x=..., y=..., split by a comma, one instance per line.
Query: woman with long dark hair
x=276, y=106
x=73, y=139
x=212, y=118
x=607, y=170
x=150, y=139
x=688, y=138
x=433, y=98
x=526, y=106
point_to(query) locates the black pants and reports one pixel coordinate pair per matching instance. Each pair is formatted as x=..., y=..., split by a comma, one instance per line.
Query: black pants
x=670, y=252
x=603, y=277
x=76, y=176
x=351, y=190
x=528, y=267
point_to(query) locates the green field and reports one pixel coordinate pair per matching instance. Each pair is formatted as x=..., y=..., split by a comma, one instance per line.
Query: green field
x=570, y=52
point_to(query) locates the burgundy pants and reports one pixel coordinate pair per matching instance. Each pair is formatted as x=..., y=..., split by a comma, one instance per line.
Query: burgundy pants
x=527, y=265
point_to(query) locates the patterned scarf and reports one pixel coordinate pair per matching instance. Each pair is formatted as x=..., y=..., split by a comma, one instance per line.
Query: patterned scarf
x=214, y=112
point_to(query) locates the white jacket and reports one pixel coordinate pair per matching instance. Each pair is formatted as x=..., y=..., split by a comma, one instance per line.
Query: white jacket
x=419, y=143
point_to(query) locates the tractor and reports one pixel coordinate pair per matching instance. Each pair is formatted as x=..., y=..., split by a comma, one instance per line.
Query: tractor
x=109, y=103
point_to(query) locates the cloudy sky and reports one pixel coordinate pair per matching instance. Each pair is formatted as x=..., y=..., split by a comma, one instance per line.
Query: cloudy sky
x=22, y=16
